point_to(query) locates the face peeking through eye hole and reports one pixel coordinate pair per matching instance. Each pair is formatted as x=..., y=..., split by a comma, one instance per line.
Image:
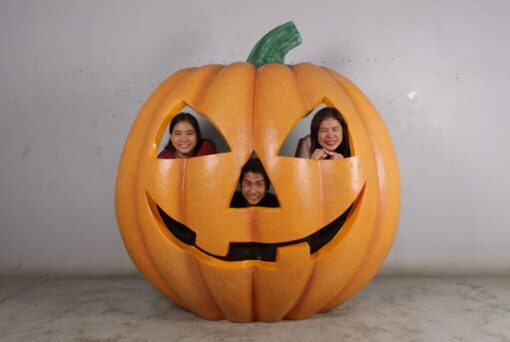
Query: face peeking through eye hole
x=330, y=134
x=184, y=139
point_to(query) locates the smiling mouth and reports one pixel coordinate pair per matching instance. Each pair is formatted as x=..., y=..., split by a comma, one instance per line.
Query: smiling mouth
x=240, y=251
x=255, y=199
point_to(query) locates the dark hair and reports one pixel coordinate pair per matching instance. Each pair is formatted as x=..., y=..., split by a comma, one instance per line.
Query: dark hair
x=321, y=115
x=254, y=165
x=193, y=121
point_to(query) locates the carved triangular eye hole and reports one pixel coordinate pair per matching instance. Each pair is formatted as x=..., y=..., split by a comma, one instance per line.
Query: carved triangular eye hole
x=212, y=140
x=334, y=136
x=254, y=187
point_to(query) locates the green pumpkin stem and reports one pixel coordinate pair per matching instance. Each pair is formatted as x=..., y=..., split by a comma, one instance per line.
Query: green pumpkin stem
x=273, y=47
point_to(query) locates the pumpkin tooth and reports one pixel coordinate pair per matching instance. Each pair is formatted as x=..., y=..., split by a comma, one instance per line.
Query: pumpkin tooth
x=218, y=247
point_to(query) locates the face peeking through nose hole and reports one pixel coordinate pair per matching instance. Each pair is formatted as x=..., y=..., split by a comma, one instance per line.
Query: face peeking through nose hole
x=253, y=187
x=254, y=184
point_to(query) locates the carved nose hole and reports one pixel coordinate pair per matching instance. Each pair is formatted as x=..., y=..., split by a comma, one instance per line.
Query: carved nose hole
x=254, y=186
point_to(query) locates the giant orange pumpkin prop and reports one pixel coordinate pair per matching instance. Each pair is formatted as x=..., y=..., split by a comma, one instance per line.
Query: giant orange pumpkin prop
x=336, y=220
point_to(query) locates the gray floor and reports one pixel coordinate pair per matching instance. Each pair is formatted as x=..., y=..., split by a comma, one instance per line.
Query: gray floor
x=129, y=309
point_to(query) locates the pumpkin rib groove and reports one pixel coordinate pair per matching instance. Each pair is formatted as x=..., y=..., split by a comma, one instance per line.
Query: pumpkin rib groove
x=294, y=312
x=206, y=89
x=293, y=124
x=303, y=294
x=227, y=102
x=132, y=237
x=309, y=101
x=193, y=92
x=356, y=111
x=180, y=84
x=205, y=286
x=182, y=198
x=306, y=95
x=388, y=186
x=152, y=205
x=203, y=88
x=312, y=104
x=309, y=75
x=253, y=103
x=321, y=192
x=181, y=87
x=356, y=263
x=252, y=134
x=303, y=97
x=190, y=269
x=253, y=294
x=325, y=99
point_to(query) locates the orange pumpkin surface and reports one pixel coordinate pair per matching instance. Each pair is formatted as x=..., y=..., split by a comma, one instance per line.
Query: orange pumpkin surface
x=255, y=108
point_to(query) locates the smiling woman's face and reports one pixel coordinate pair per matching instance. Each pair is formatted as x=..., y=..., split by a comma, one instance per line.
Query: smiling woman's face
x=330, y=134
x=184, y=139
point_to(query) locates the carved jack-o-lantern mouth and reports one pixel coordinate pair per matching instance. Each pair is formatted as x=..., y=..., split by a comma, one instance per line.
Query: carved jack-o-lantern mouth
x=240, y=251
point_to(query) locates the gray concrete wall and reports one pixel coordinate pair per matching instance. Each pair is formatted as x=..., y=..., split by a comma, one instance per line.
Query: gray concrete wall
x=73, y=75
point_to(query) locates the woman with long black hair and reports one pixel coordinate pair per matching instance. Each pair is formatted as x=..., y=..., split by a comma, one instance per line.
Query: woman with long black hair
x=328, y=137
x=185, y=139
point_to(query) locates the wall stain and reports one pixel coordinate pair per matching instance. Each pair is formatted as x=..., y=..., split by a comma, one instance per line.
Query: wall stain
x=98, y=150
x=26, y=151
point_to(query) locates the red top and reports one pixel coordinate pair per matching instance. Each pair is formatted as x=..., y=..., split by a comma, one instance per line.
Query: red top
x=206, y=147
